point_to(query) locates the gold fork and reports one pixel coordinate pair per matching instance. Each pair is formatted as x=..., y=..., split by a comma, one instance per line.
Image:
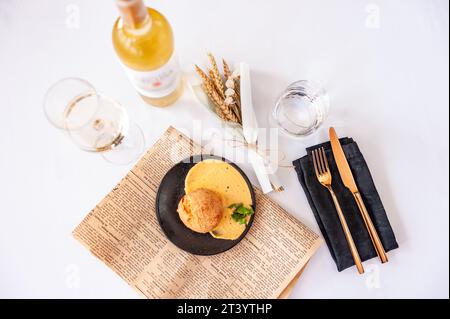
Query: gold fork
x=324, y=176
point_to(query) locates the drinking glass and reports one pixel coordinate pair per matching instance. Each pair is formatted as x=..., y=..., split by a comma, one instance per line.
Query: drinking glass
x=93, y=121
x=300, y=109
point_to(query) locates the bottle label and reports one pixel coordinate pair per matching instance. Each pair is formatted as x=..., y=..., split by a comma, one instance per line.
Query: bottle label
x=156, y=83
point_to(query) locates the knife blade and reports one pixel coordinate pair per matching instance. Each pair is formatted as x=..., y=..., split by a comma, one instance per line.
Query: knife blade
x=341, y=162
x=349, y=182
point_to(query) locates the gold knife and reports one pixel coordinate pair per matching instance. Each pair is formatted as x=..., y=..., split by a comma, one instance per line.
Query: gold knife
x=349, y=182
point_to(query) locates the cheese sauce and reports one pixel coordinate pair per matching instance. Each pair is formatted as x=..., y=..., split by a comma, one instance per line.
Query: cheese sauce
x=229, y=184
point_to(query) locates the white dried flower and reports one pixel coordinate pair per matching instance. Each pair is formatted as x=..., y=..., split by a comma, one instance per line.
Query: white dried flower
x=230, y=83
x=235, y=73
x=229, y=92
x=229, y=100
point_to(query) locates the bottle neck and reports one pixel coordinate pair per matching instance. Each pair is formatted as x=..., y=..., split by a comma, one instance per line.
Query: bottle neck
x=134, y=14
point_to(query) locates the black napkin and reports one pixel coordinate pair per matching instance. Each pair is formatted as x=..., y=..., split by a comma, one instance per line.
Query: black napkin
x=325, y=212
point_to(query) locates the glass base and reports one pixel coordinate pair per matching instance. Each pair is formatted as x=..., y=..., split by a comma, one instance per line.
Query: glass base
x=130, y=148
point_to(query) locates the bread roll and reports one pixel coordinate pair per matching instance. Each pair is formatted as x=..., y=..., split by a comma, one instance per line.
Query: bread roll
x=201, y=210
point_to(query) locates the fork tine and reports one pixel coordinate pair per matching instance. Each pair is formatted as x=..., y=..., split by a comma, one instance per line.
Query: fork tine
x=325, y=159
x=322, y=167
x=320, y=161
x=315, y=163
x=319, y=167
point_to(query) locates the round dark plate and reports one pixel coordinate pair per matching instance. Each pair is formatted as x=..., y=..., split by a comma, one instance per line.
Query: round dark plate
x=169, y=194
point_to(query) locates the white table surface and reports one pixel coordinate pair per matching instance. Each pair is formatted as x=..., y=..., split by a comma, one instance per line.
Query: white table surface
x=384, y=63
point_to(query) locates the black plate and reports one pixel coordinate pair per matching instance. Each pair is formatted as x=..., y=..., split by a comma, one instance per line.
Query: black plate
x=170, y=191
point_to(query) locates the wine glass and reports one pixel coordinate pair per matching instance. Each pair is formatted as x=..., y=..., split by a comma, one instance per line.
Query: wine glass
x=93, y=121
x=300, y=109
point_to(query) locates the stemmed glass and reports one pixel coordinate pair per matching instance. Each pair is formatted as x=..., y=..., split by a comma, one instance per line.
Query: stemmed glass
x=93, y=121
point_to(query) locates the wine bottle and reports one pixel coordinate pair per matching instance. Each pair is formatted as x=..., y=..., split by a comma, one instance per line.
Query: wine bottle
x=143, y=41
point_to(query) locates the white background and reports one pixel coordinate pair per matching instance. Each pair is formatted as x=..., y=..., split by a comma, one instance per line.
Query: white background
x=388, y=82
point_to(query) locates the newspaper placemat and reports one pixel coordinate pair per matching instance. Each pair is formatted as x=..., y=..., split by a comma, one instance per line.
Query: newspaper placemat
x=123, y=232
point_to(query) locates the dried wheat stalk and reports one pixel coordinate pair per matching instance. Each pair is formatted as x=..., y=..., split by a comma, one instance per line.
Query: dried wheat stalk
x=227, y=106
x=229, y=113
x=218, y=89
x=202, y=74
x=218, y=110
x=216, y=77
x=224, y=111
x=237, y=85
x=208, y=87
x=222, y=107
x=236, y=111
x=226, y=69
x=236, y=96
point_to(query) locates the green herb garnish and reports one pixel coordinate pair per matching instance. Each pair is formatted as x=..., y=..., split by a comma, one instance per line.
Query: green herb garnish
x=241, y=213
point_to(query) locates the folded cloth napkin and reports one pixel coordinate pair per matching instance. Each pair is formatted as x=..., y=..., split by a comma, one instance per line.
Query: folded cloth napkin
x=325, y=212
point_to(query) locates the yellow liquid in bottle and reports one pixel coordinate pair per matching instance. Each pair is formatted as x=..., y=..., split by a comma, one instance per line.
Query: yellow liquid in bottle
x=146, y=46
